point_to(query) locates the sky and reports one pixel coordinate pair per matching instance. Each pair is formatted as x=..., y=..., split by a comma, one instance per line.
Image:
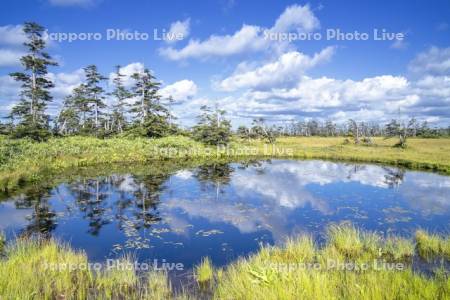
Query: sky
x=281, y=60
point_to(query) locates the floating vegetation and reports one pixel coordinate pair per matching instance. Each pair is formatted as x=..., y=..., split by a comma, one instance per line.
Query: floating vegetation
x=208, y=232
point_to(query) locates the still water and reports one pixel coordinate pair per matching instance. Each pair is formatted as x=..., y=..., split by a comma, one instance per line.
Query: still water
x=181, y=214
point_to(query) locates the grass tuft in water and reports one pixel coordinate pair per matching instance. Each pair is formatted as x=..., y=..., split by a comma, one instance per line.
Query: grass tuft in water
x=431, y=245
x=204, y=272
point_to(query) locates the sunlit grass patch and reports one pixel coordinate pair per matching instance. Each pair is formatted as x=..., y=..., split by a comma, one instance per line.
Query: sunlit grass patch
x=34, y=269
x=430, y=245
x=158, y=286
x=31, y=271
x=346, y=238
x=204, y=272
x=260, y=277
x=398, y=248
x=45, y=269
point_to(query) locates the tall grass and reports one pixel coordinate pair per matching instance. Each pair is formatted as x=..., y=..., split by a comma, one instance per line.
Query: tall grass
x=299, y=269
x=204, y=272
x=353, y=264
x=431, y=245
x=37, y=269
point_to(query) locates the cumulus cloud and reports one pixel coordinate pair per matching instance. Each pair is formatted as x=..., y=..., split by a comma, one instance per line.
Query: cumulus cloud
x=296, y=17
x=9, y=93
x=374, y=98
x=178, y=29
x=434, y=61
x=279, y=93
x=64, y=84
x=12, y=35
x=249, y=38
x=286, y=69
x=10, y=57
x=128, y=71
x=246, y=39
x=180, y=91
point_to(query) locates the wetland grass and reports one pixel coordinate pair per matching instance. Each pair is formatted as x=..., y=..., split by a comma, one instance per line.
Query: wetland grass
x=271, y=273
x=24, y=161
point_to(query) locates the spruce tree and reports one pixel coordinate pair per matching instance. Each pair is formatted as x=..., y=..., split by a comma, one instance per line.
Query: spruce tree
x=120, y=94
x=95, y=95
x=212, y=128
x=35, y=95
x=151, y=116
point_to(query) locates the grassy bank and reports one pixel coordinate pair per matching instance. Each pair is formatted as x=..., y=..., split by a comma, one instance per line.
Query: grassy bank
x=298, y=270
x=26, y=161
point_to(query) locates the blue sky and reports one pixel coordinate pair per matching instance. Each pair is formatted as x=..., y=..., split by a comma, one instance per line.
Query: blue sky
x=226, y=58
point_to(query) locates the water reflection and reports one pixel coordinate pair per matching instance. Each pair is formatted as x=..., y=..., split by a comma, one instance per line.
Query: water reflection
x=224, y=210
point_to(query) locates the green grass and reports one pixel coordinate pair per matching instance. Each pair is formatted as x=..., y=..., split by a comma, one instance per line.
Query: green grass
x=275, y=273
x=30, y=271
x=24, y=161
x=272, y=273
x=432, y=245
x=2, y=242
x=204, y=271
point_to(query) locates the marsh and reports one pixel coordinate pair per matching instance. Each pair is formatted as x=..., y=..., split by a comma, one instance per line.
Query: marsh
x=180, y=214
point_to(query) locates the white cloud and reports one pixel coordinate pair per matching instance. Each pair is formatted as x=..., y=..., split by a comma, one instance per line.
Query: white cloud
x=128, y=71
x=180, y=91
x=296, y=17
x=328, y=97
x=10, y=57
x=178, y=28
x=287, y=68
x=435, y=61
x=249, y=38
x=12, y=35
x=246, y=39
x=9, y=93
x=66, y=82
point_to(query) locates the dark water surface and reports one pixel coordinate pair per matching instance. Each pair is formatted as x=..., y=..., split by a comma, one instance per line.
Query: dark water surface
x=223, y=210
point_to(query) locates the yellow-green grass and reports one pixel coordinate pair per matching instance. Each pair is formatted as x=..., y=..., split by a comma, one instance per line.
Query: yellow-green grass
x=432, y=154
x=299, y=269
x=37, y=269
x=431, y=245
x=204, y=271
x=26, y=161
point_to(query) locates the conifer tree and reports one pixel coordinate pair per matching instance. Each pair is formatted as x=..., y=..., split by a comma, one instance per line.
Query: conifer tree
x=95, y=94
x=151, y=116
x=120, y=94
x=35, y=95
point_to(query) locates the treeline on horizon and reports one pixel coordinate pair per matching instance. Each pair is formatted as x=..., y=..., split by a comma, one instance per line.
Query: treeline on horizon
x=141, y=111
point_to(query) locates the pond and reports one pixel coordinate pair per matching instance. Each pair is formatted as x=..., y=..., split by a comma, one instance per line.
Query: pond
x=179, y=214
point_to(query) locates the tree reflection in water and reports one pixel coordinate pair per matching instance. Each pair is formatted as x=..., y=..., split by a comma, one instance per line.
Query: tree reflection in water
x=42, y=220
